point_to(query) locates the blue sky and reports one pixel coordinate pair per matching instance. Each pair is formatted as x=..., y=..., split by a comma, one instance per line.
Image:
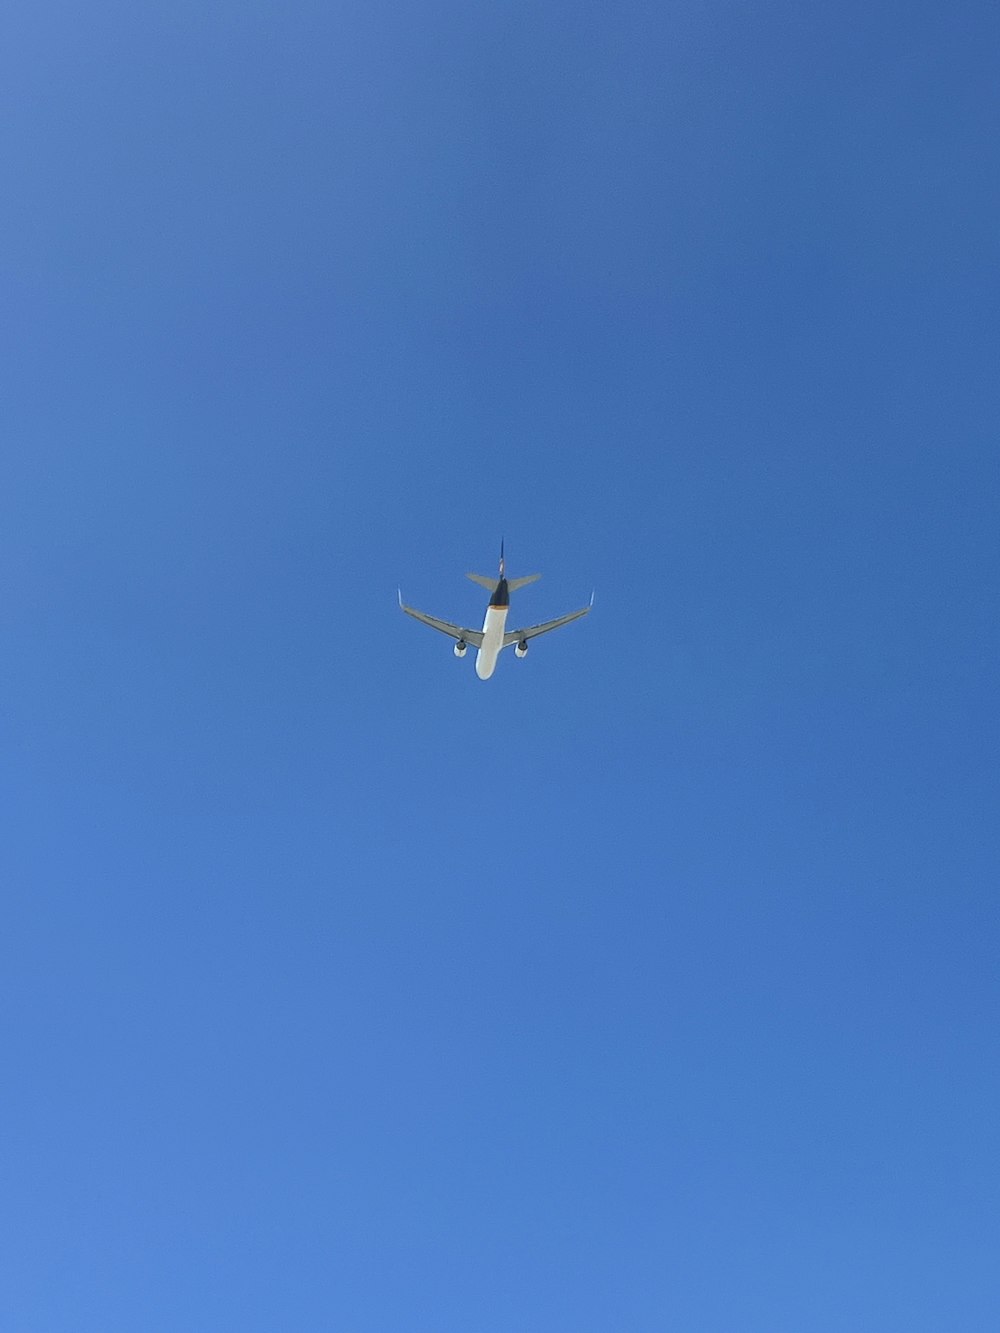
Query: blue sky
x=652, y=984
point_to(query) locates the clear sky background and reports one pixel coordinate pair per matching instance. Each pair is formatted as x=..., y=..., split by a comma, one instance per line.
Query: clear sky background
x=652, y=984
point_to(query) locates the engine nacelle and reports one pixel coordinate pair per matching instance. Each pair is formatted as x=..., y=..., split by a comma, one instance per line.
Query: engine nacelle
x=461, y=648
x=521, y=649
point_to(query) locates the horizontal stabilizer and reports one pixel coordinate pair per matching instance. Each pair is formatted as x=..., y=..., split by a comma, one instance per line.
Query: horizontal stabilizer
x=514, y=584
x=484, y=580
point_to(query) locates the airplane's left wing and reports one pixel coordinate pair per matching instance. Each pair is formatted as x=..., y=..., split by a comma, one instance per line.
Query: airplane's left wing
x=522, y=635
x=456, y=632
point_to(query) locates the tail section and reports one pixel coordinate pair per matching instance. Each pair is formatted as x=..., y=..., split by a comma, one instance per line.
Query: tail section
x=490, y=584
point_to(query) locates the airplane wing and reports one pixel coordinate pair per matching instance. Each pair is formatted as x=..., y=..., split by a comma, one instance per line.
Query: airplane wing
x=520, y=635
x=456, y=632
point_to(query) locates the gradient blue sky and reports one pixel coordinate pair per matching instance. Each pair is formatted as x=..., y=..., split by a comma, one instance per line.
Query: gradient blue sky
x=653, y=984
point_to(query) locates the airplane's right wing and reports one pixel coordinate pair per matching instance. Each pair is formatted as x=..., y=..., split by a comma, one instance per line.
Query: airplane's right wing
x=521, y=635
x=456, y=632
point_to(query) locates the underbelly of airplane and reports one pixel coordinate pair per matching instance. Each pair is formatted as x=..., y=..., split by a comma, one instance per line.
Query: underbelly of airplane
x=493, y=628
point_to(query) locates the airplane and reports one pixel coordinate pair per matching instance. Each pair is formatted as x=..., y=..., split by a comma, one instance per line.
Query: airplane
x=493, y=636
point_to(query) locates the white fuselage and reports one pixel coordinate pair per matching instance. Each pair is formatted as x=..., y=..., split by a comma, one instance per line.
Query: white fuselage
x=489, y=650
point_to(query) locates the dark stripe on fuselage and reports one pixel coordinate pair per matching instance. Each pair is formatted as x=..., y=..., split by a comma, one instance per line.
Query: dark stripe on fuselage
x=501, y=597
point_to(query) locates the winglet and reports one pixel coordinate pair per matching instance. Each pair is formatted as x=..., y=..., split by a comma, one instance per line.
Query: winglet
x=592, y=597
x=399, y=594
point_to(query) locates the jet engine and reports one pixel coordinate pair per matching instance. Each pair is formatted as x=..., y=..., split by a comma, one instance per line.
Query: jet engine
x=521, y=650
x=461, y=648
